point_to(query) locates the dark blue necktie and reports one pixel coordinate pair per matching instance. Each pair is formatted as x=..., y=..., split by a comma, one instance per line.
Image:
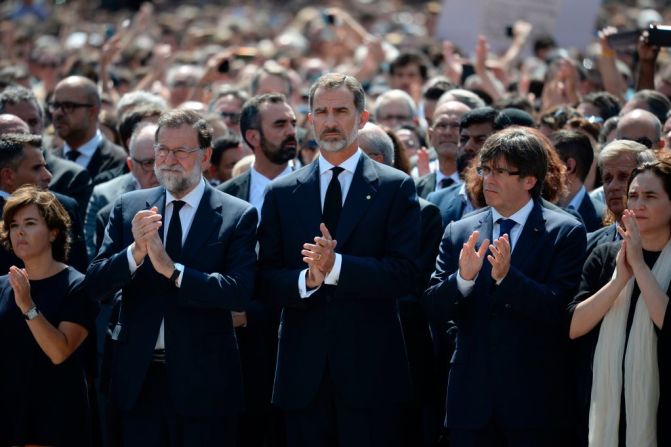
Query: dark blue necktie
x=445, y=182
x=505, y=225
x=333, y=202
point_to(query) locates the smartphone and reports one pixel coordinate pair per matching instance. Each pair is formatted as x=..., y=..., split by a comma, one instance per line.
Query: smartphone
x=659, y=35
x=328, y=18
x=509, y=31
x=224, y=66
x=623, y=39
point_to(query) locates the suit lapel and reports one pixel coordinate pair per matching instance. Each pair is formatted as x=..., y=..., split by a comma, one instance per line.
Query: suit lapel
x=529, y=238
x=157, y=199
x=306, y=193
x=95, y=164
x=245, y=184
x=359, y=198
x=208, y=216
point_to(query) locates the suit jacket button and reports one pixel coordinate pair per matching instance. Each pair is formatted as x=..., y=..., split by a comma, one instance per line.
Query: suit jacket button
x=507, y=306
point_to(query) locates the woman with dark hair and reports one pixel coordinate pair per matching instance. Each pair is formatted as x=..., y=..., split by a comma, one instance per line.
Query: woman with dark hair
x=45, y=315
x=621, y=311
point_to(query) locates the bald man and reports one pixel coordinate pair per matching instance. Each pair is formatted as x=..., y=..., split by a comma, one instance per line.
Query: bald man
x=74, y=107
x=641, y=126
x=12, y=124
x=444, y=137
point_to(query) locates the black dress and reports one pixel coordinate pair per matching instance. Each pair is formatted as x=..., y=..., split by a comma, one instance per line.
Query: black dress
x=598, y=270
x=43, y=403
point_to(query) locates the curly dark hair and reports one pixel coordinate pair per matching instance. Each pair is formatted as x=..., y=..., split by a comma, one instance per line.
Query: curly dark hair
x=49, y=208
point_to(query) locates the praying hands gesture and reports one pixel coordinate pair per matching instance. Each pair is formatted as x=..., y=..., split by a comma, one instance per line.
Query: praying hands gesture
x=319, y=257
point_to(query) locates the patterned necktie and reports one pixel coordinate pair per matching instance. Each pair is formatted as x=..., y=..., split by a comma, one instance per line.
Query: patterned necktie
x=173, y=243
x=333, y=202
x=505, y=225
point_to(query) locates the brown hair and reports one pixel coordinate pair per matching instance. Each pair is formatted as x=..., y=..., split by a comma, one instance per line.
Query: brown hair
x=49, y=208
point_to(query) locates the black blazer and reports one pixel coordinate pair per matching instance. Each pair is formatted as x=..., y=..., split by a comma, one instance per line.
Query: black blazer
x=202, y=363
x=354, y=326
x=238, y=186
x=589, y=215
x=509, y=363
x=426, y=185
x=70, y=179
x=107, y=157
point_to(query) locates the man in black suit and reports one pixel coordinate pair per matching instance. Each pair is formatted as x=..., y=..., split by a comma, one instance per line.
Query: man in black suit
x=507, y=383
x=74, y=107
x=175, y=370
x=444, y=137
x=576, y=152
x=66, y=177
x=268, y=125
x=338, y=246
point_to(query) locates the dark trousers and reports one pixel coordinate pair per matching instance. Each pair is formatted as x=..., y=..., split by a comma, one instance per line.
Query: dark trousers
x=493, y=435
x=329, y=422
x=153, y=422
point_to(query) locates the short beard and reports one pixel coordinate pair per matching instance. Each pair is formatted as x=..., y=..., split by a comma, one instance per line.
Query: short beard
x=338, y=145
x=179, y=185
x=281, y=154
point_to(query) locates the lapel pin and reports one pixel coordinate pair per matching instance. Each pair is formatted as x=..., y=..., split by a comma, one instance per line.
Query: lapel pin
x=368, y=197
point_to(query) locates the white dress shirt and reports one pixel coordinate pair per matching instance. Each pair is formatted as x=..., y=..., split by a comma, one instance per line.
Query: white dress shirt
x=345, y=179
x=440, y=176
x=86, y=150
x=520, y=217
x=257, y=187
x=186, y=215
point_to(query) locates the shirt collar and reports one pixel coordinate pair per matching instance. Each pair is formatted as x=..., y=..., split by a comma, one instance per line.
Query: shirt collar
x=258, y=177
x=577, y=199
x=520, y=217
x=454, y=176
x=192, y=198
x=348, y=165
x=87, y=148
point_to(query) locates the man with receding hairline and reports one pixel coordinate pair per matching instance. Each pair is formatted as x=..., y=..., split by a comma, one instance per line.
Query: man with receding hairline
x=74, y=107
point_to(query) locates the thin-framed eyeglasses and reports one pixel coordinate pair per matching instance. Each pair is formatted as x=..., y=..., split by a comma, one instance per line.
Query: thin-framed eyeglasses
x=180, y=153
x=146, y=165
x=65, y=106
x=484, y=171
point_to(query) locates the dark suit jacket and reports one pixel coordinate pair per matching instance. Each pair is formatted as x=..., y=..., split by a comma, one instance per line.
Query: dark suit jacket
x=238, y=186
x=589, y=216
x=450, y=203
x=603, y=235
x=77, y=257
x=426, y=185
x=107, y=157
x=509, y=361
x=202, y=364
x=352, y=327
x=70, y=179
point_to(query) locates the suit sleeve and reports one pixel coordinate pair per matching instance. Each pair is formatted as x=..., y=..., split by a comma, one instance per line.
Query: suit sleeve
x=393, y=273
x=78, y=257
x=109, y=271
x=547, y=301
x=276, y=284
x=92, y=209
x=442, y=299
x=232, y=287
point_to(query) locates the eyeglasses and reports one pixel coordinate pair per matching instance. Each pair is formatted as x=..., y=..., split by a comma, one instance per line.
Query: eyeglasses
x=65, y=106
x=146, y=165
x=484, y=171
x=180, y=153
x=233, y=117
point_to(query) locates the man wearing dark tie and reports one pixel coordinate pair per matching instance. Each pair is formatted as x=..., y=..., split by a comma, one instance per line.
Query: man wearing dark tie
x=507, y=383
x=183, y=255
x=338, y=246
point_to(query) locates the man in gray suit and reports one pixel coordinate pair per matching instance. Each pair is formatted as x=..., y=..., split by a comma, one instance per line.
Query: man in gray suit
x=141, y=176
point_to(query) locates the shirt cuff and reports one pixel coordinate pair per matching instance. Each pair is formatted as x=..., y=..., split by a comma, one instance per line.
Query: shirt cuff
x=334, y=275
x=464, y=285
x=302, y=285
x=132, y=266
x=178, y=281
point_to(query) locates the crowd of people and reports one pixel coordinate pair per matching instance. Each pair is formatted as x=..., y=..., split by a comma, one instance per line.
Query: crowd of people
x=276, y=225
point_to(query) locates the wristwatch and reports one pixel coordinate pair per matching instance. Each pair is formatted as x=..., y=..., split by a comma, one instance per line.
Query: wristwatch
x=31, y=314
x=174, y=276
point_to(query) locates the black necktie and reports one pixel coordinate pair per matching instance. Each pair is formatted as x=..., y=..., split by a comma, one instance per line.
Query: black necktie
x=445, y=182
x=333, y=202
x=173, y=243
x=72, y=155
x=505, y=225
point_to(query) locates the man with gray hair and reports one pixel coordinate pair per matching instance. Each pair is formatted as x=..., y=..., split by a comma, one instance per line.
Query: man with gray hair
x=394, y=108
x=176, y=370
